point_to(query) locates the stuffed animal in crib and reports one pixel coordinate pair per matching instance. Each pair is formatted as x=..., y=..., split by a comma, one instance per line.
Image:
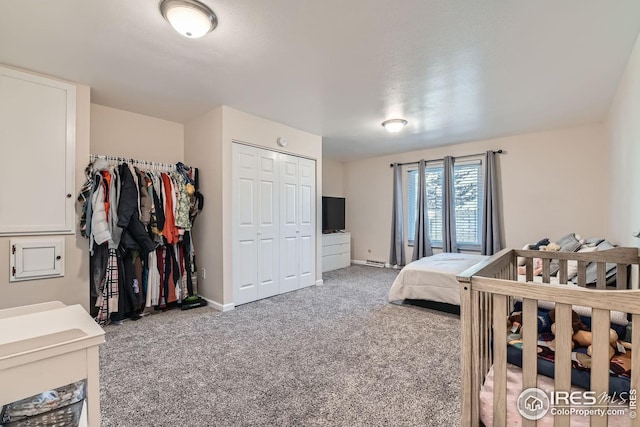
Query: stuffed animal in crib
x=537, y=262
x=514, y=324
x=582, y=336
x=551, y=247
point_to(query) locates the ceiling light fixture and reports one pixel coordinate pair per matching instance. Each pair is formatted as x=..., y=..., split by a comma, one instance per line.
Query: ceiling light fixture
x=189, y=17
x=394, y=125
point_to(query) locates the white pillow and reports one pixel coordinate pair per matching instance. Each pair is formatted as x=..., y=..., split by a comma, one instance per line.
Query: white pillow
x=522, y=260
x=572, y=266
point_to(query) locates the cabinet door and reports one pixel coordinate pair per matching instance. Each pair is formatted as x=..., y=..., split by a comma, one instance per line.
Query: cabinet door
x=37, y=154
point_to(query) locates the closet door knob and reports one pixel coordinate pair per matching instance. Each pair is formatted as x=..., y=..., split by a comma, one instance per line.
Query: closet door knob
x=69, y=196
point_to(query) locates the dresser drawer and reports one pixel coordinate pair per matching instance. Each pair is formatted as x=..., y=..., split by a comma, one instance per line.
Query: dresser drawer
x=336, y=249
x=335, y=239
x=333, y=262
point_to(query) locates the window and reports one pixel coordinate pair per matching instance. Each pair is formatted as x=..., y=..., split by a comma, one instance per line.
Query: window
x=468, y=186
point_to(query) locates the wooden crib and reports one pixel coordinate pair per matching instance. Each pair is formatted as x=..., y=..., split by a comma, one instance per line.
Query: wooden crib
x=488, y=291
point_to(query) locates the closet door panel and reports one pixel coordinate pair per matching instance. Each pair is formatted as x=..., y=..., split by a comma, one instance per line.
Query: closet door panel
x=267, y=232
x=267, y=273
x=306, y=223
x=289, y=264
x=289, y=231
x=246, y=208
x=247, y=273
x=306, y=256
x=274, y=223
x=245, y=224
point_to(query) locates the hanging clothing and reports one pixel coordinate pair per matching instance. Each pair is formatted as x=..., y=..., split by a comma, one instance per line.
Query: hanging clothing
x=109, y=297
x=170, y=232
x=138, y=223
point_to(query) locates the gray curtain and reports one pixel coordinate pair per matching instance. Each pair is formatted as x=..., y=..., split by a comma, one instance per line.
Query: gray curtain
x=448, y=208
x=421, y=242
x=396, y=254
x=491, y=226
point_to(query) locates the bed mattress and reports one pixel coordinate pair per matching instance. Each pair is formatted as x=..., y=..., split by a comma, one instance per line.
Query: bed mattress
x=433, y=278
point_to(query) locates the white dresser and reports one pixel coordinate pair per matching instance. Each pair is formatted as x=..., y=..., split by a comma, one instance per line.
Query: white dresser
x=336, y=251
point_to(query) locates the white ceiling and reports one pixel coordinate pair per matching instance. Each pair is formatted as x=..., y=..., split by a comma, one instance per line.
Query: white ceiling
x=457, y=70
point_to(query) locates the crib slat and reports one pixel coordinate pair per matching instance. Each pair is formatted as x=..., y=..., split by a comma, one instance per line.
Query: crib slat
x=528, y=263
x=602, y=276
x=582, y=273
x=529, y=349
x=482, y=334
x=562, y=364
x=478, y=357
x=600, y=324
x=621, y=276
x=500, y=360
x=562, y=273
x=467, y=376
x=635, y=366
x=546, y=270
x=530, y=338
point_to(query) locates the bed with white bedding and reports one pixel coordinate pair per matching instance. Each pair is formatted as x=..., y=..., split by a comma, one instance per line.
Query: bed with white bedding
x=433, y=278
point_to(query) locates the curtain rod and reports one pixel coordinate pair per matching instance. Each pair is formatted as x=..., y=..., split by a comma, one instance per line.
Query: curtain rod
x=439, y=160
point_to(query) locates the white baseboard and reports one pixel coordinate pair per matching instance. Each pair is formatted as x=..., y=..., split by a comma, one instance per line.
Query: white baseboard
x=319, y=282
x=362, y=262
x=220, y=307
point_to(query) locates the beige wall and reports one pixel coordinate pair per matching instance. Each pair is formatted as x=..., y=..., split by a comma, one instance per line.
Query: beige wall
x=210, y=138
x=332, y=178
x=124, y=134
x=553, y=183
x=623, y=125
x=203, y=149
x=73, y=288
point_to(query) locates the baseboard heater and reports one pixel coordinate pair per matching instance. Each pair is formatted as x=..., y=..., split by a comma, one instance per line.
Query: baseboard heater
x=374, y=263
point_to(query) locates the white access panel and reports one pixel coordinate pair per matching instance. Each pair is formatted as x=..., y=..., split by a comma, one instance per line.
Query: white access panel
x=36, y=259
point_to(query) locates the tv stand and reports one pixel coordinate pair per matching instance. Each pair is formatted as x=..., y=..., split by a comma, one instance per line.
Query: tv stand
x=336, y=250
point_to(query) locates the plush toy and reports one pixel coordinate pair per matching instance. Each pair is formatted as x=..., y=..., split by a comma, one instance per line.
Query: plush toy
x=583, y=337
x=515, y=328
x=551, y=247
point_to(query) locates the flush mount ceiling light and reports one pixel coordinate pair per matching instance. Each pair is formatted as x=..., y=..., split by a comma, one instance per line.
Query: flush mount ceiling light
x=394, y=125
x=189, y=17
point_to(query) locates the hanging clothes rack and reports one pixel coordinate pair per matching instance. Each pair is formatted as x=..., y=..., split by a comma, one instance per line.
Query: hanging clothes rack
x=138, y=217
x=114, y=160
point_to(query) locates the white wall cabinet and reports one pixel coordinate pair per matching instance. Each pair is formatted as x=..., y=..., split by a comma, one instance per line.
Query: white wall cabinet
x=37, y=154
x=336, y=251
x=273, y=223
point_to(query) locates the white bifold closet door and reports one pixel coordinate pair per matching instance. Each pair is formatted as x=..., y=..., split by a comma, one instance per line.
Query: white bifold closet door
x=274, y=223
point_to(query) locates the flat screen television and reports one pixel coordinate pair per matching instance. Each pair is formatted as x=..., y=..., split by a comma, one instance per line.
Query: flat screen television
x=332, y=214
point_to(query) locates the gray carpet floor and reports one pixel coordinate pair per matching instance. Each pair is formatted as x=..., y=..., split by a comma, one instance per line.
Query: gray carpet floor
x=331, y=355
